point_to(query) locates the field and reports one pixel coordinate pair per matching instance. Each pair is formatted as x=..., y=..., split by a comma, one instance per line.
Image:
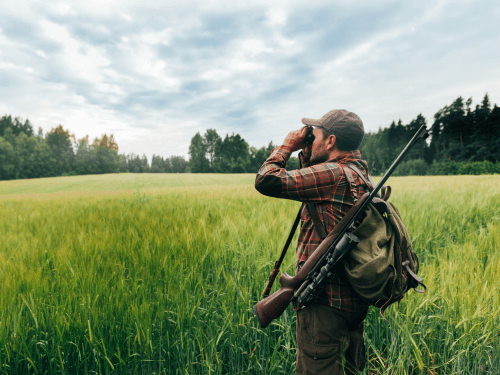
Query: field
x=157, y=274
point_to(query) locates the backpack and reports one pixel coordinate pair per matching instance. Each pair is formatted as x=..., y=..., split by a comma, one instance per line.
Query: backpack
x=383, y=266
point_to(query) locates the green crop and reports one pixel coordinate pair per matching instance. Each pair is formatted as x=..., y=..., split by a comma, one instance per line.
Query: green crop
x=157, y=274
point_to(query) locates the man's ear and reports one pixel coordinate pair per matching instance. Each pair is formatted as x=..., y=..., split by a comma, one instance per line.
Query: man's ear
x=332, y=140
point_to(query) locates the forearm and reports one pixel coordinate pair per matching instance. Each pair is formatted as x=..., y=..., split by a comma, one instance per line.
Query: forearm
x=269, y=178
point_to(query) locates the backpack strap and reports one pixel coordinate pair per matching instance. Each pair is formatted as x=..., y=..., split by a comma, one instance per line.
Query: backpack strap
x=351, y=181
x=386, y=190
x=406, y=264
x=318, y=225
x=369, y=185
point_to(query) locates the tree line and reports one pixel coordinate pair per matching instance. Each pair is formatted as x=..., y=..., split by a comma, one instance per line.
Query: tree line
x=24, y=154
x=209, y=153
x=463, y=140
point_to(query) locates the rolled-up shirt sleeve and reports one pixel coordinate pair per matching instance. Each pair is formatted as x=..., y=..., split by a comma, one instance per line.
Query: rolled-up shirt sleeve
x=312, y=184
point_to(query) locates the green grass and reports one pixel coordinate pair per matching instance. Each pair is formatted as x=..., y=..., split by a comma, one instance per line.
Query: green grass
x=122, y=181
x=157, y=274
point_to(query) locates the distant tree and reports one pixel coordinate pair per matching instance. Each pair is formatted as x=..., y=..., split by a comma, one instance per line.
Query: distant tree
x=157, y=164
x=494, y=129
x=124, y=167
x=108, y=161
x=136, y=164
x=232, y=155
x=257, y=157
x=106, y=141
x=16, y=125
x=83, y=157
x=198, y=161
x=178, y=164
x=7, y=160
x=33, y=156
x=59, y=141
x=212, y=142
x=377, y=151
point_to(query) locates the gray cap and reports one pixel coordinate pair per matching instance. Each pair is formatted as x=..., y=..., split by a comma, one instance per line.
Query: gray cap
x=345, y=125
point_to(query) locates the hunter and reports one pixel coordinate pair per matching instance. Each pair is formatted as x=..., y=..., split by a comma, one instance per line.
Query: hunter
x=330, y=329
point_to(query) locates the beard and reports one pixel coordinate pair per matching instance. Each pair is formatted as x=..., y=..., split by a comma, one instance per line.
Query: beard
x=319, y=157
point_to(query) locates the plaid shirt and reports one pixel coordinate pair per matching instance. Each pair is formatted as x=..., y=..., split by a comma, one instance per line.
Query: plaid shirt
x=326, y=186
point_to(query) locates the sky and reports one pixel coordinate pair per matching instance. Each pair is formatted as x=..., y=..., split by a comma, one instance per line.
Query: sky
x=154, y=73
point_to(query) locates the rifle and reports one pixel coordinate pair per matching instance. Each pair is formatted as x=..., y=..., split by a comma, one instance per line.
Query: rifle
x=303, y=286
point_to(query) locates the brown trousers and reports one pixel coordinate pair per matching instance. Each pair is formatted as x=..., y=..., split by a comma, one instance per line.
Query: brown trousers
x=329, y=341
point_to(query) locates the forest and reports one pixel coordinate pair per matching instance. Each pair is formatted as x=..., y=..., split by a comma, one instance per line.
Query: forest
x=464, y=140
x=24, y=154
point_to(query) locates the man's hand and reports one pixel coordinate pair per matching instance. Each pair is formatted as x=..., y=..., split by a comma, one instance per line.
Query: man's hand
x=295, y=140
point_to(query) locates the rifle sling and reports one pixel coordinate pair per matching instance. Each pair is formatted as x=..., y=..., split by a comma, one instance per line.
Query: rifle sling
x=277, y=265
x=318, y=225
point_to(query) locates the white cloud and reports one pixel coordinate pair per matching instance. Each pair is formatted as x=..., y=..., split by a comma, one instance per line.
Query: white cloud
x=126, y=17
x=156, y=37
x=80, y=59
x=276, y=17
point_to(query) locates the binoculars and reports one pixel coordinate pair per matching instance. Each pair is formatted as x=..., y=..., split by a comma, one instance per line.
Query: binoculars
x=309, y=137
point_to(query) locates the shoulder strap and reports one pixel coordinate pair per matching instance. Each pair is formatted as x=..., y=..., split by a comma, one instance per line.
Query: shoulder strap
x=352, y=182
x=387, y=189
x=318, y=225
x=358, y=172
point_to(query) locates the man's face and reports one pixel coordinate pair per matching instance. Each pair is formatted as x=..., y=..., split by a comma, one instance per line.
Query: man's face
x=317, y=153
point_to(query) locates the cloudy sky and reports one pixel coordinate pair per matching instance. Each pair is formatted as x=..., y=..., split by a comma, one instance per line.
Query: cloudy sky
x=156, y=72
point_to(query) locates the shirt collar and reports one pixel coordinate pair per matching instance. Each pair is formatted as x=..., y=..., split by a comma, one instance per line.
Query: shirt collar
x=346, y=156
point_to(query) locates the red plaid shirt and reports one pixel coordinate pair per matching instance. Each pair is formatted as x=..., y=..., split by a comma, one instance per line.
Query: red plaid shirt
x=325, y=185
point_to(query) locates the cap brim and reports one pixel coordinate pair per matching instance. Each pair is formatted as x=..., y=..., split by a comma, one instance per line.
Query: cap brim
x=310, y=122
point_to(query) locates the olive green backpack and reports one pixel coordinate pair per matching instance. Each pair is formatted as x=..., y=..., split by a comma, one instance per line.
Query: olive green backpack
x=383, y=266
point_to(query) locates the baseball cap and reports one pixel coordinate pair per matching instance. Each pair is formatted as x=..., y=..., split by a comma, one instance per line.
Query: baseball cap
x=345, y=125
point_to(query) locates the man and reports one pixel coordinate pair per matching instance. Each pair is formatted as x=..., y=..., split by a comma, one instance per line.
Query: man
x=329, y=330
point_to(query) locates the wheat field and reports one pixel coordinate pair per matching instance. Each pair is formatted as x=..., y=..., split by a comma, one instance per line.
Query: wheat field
x=157, y=274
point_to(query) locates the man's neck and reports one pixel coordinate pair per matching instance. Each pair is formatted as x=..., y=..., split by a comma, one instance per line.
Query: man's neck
x=335, y=153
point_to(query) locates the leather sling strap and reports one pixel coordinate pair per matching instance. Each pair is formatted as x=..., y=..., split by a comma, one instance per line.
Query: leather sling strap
x=277, y=264
x=351, y=181
x=318, y=225
x=358, y=172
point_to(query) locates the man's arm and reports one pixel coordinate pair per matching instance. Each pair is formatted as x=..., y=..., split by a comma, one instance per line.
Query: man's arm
x=268, y=180
x=311, y=184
